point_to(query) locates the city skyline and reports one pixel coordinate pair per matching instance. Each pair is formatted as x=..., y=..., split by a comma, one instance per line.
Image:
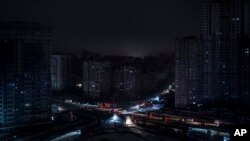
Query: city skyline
x=159, y=70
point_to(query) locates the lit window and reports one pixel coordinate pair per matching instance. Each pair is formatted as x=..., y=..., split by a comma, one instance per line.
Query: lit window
x=27, y=104
x=247, y=51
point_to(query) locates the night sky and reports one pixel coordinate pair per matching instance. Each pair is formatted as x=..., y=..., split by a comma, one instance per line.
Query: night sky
x=120, y=27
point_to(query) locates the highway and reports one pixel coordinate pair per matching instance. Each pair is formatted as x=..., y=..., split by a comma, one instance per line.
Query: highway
x=176, y=122
x=149, y=127
x=150, y=123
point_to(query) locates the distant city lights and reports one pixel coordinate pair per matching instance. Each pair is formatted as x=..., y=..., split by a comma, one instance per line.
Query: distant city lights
x=157, y=98
x=79, y=132
x=137, y=107
x=115, y=119
x=128, y=121
x=79, y=85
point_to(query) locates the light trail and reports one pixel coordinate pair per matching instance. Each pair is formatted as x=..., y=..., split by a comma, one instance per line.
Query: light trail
x=67, y=135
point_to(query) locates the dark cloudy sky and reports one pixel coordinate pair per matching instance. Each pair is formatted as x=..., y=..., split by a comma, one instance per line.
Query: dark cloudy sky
x=122, y=27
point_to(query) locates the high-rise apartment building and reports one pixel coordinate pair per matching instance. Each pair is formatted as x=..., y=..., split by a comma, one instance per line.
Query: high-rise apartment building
x=188, y=72
x=24, y=73
x=222, y=26
x=245, y=72
x=60, y=72
x=96, y=78
x=125, y=81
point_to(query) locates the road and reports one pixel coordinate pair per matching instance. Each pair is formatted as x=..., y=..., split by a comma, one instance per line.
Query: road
x=174, y=123
x=66, y=132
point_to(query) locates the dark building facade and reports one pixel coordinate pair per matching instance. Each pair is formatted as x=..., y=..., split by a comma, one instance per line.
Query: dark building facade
x=96, y=78
x=148, y=82
x=188, y=72
x=125, y=78
x=157, y=72
x=24, y=73
x=222, y=27
x=125, y=81
x=245, y=71
x=61, y=72
x=245, y=59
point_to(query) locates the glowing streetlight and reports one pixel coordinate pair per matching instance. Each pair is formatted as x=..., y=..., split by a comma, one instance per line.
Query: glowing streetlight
x=157, y=98
x=128, y=121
